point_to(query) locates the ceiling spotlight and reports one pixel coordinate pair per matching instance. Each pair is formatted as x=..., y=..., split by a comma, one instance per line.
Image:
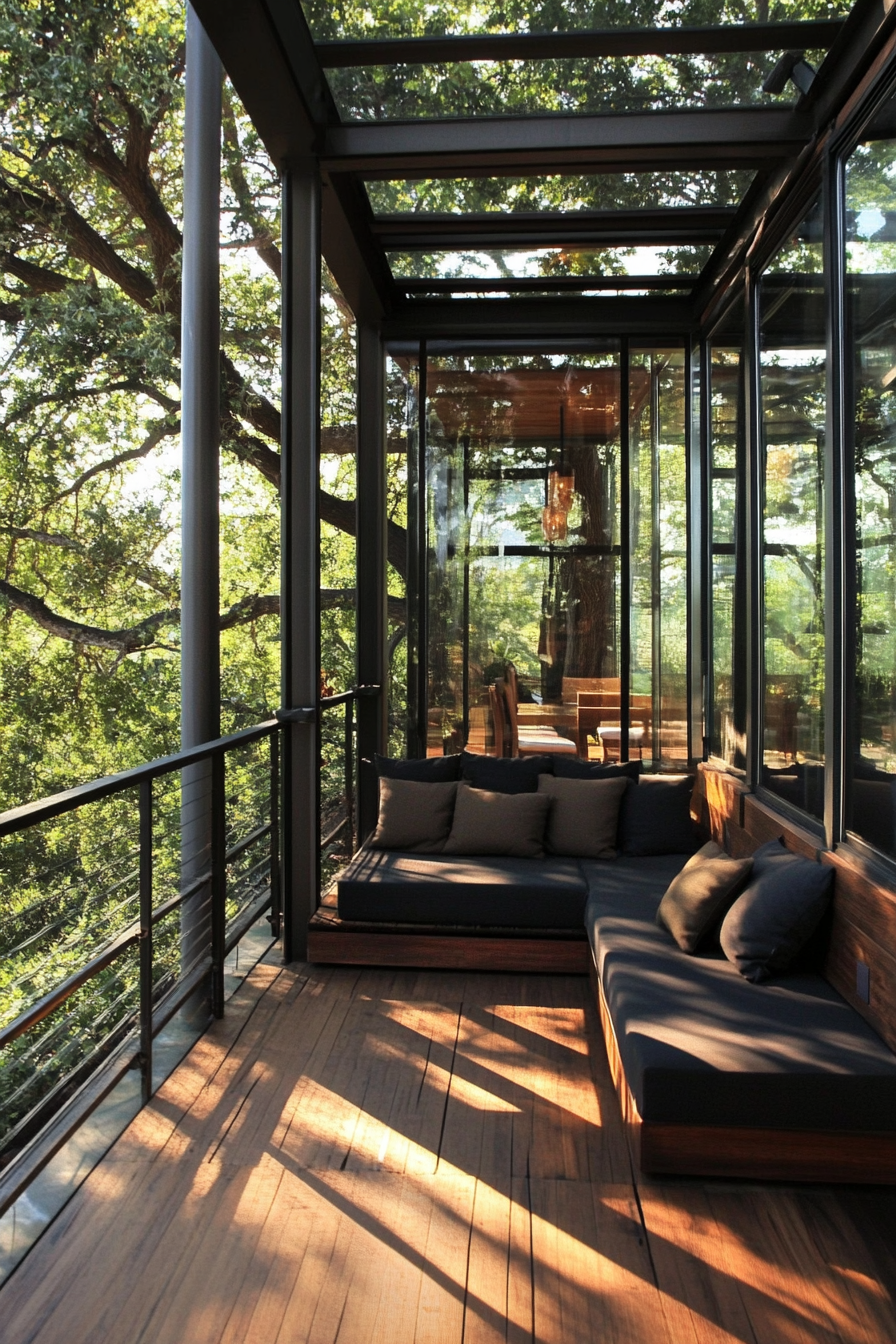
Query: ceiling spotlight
x=792, y=65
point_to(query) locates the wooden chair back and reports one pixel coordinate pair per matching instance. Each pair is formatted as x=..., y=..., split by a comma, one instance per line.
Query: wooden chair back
x=499, y=719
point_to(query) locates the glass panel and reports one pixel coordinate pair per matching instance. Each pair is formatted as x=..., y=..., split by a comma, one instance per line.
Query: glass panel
x=548, y=262
x=402, y=374
x=369, y=19
x=871, y=299
x=609, y=191
x=658, y=469
x=522, y=479
x=726, y=472
x=603, y=85
x=792, y=369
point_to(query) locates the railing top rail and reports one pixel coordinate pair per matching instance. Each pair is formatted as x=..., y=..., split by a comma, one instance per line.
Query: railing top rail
x=44, y=809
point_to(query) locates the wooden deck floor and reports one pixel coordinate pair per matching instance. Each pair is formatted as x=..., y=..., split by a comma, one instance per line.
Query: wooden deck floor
x=397, y=1156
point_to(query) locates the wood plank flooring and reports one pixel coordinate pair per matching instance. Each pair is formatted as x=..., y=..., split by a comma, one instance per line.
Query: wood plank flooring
x=437, y=1158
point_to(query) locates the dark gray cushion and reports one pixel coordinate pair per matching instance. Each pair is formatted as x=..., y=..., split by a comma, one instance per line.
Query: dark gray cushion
x=702, y=1046
x=584, y=815
x=505, y=774
x=776, y=913
x=498, y=823
x=413, y=816
x=426, y=769
x=566, y=767
x=701, y=894
x=380, y=887
x=655, y=817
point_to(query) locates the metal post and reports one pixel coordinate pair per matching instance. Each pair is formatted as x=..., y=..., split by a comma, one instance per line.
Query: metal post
x=146, y=1036
x=753, y=559
x=200, y=419
x=371, y=622
x=218, y=882
x=656, y=628
x=350, y=773
x=300, y=582
x=625, y=559
x=696, y=446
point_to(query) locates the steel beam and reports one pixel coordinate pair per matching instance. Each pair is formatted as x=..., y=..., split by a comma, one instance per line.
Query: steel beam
x=371, y=629
x=550, y=318
x=200, y=438
x=300, y=577
x=572, y=284
x=509, y=146
x=579, y=44
x=570, y=229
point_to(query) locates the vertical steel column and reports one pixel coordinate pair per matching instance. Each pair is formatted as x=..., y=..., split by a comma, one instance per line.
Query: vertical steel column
x=656, y=569
x=371, y=616
x=625, y=546
x=146, y=1033
x=200, y=433
x=422, y=562
x=696, y=448
x=839, y=515
x=754, y=559
x=300, y=532
x=218, y=863
x=274, y=775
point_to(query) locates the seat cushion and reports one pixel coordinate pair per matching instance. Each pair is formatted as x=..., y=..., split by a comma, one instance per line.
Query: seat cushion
x=382, y=887
x=701, y=1045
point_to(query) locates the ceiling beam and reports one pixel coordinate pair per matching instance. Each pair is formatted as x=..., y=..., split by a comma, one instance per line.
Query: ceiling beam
x=551, y=318
x=514, y=146
x=576, y=229
x=581, y=44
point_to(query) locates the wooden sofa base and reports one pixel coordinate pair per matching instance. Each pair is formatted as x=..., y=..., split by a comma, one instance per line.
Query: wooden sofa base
x=760, y=1154
x=335, y=942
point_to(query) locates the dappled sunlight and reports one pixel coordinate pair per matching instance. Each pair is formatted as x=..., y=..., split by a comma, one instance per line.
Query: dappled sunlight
x=561, y=1026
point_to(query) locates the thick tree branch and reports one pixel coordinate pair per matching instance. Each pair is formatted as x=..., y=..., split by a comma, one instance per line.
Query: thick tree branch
x=145, y=634
x=39, y=279
x=163, y=430
x=45, y=538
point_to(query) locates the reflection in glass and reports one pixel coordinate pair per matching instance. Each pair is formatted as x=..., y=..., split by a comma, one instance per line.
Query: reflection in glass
x=658, y=470
x=727, y=726
x=871, y=300
x=608, y=191
x=792, y=380
x=498, y=592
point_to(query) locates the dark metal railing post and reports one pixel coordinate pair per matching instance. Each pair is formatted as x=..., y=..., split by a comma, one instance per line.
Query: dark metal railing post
x=276, y=906
x=218, y=882
x=146, y=940
x=350, y=773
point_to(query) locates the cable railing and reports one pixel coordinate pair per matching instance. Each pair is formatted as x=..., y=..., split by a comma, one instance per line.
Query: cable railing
x=120, y=901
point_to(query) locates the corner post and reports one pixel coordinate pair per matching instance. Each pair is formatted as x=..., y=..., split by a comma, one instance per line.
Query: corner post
x=300, y=549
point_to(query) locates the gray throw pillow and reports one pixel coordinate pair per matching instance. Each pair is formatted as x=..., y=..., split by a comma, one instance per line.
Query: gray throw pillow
x=584, y=816
x=413, y=816
x=425, y=769
x=775, y=914
x=498, y=823
x=699, y=896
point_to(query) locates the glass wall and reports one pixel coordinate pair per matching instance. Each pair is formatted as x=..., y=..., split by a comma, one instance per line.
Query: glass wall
x=659, y=624
x=522, y=490
x=725, y=598
x=871, y=420
x=793, y=399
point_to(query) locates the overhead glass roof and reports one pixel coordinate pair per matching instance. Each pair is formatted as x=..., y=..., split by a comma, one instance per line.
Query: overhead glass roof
x=495, y=88
x=609, y=191
x=544, y=262
x=365, y=19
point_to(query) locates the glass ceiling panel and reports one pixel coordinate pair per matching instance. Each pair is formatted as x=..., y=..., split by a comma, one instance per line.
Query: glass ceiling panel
x=545, y=262
x=609, y=191
x=496, y=88
x=334, y=19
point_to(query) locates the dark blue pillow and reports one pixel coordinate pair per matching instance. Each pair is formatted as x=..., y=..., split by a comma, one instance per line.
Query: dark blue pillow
x=506, y=774
x=424, y=770
x=566, y=768
x=655, y=817
x=776, y=913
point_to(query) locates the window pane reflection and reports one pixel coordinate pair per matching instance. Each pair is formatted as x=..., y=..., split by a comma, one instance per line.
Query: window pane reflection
x=726, y=465
x=792, y=380
x=871, y=351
